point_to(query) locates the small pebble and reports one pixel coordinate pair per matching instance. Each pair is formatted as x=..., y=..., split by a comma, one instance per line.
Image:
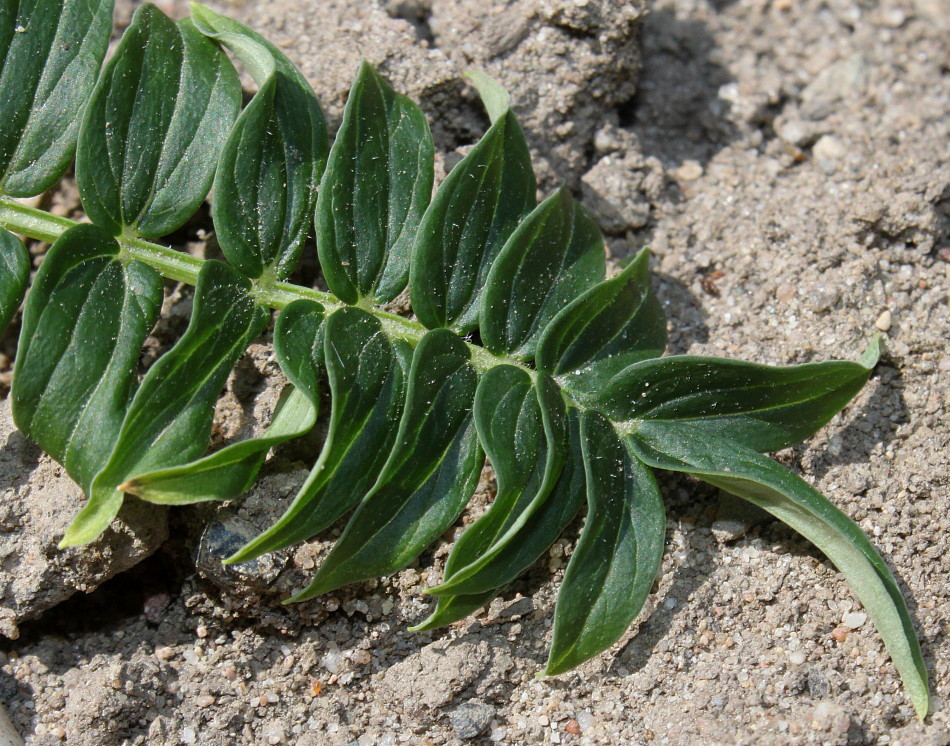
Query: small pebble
x=840, y=633
x=785, y=293
x=164, y=653
x=572, y=727
x=361, y=657
x=796, y=658
x=188, y=735
x=204, y=700
x=854, y=619
x=471, y=719
x=154, y=607
x=201, y=631
x=884, y=321
x=689, y=171
x=829, y=148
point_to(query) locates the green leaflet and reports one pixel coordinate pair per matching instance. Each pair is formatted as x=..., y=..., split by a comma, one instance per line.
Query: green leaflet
x=267, y=176
x=618, y=555
x=471, y=216
x=376, y=187
x=525, y=545
x=14, y=275
x=367, y=382
x=231, y=471
x=523, y=430
x=607, y=328
x=552, y=257
x=154, y=126
x=427, y=480
x=763, y=407
x=51, y=51
x=677, y=446
x=84, y=323
x=169, y=420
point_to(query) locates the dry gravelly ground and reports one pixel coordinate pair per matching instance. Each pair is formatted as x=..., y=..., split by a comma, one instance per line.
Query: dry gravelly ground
x=787, y=161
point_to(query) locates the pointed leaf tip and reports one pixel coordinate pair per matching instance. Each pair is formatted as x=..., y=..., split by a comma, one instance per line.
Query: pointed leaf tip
x=496, y=99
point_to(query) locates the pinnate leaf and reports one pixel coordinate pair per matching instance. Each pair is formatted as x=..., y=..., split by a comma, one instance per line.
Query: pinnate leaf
x=154, y=126
x=679, y=446
x=553, y=256
x=367, y=374
x=14, y=275
x=169, y=420
x=266, y=181
x=51, y=52
x=763, y=407
x=376, y=187
x=471, y=216
x=429, y=476
x=84, y=323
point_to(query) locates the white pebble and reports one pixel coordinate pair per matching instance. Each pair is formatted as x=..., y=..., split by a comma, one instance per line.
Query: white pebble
x=188, y=735
x=796, y=658
x=333, y=661
x=884, y=321
x=854, y=619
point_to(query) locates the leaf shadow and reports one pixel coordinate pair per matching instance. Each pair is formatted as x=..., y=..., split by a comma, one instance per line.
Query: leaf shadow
x=686, y=317
x=874, y=421
x=687, y=578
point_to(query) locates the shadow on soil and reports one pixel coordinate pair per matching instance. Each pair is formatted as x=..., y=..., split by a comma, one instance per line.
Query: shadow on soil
x=677, y=112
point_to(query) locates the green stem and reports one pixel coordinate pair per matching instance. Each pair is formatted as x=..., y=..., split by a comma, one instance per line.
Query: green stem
x=43, y=226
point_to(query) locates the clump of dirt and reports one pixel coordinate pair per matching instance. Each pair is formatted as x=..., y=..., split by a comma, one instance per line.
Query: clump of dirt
x=787, y=164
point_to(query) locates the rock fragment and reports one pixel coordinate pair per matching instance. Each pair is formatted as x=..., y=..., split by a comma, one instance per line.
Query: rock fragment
x=37, y=502
x=471, y=719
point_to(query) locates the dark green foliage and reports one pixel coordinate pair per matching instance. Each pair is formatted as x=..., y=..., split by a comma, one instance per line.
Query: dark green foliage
x=51, y=53
x=154, y=127
x=14, y=275
x=568, y=395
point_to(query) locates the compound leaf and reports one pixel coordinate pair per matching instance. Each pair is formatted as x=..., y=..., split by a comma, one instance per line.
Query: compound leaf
x=229, y=472
x=366, y=372
x=376, y=187
x=266, y=181
x=14, y=275
x=169, y=420
x=429, y=476
x=51, y=51
x=84, y=323
x=154, y=126
x=556, y=254
x=763, y=407
x=679, y=446
x=614, y=324
x=618, y=555
x=471, y=216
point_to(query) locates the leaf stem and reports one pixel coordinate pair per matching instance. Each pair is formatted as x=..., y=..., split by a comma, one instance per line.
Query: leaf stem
x=44, y=226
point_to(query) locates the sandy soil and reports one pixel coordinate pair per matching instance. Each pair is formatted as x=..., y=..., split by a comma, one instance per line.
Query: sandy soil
x=787, y=162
